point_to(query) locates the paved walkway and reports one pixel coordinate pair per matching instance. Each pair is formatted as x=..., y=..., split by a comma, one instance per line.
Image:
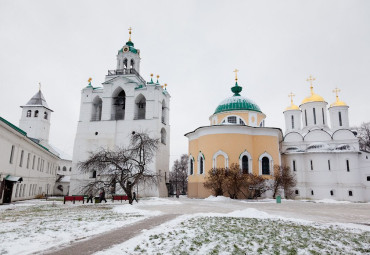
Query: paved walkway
x=106, y=240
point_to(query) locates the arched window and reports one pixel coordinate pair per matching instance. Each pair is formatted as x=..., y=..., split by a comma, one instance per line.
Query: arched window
x=36, y=113
x=29, y=113
x=58, y=168
x=125, y=63
x=340, y=118
x=119, y=105
x=45, y=115
x=323, y=116
x=314, y=116
x=140, y=107
x=292, y=122
x=191, y=166
x=200, y=163
x=265, y=166
x=96, y=109
x=164, y=112
x=201, y=166
x=163, y=136
x=350, y=193
x=70, y=169
x=305, y=116
x=220, y=160
x=245, y=164
x=132, y=64
x=331, y=193
x=93, y=174
x=64, y=168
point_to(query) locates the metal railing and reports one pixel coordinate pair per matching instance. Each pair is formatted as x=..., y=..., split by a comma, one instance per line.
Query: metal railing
x=126, y=71
x=118, y=116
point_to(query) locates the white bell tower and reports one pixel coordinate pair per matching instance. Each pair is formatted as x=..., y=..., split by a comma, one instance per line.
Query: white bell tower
x=128, y=58
x=35, y=119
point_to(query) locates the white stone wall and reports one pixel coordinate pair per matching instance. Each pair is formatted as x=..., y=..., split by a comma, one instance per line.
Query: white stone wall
x=38, y=175
x=334, y=117
x=107, y=133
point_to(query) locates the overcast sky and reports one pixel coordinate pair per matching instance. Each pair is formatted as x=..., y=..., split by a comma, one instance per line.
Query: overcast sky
x=194, y=46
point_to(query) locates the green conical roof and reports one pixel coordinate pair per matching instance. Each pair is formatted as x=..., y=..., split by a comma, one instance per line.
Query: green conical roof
x=237, y=102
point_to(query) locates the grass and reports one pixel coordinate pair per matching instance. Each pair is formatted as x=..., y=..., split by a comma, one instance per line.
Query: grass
x=228, y=235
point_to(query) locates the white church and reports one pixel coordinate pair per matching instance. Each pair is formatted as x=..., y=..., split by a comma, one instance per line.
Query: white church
x=109, y=114
x=323, y=154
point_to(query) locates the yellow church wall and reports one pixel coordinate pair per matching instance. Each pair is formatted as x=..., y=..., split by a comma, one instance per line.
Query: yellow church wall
x=233, y=145
x=242, y=114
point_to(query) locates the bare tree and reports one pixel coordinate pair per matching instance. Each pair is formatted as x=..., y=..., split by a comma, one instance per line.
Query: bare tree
x=126, y=166
x=283, y=179
x=255, y=186
x=235, y=181
x=179, y=173
x=215, y=180
x=364, y=137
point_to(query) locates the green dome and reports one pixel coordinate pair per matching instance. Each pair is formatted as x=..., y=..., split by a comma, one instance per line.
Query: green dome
x=237, y=102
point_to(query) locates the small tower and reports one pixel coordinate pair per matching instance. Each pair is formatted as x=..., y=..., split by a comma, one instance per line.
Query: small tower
x=35, y=119
x=313, y=110
x=128, y=57
x=292, y=116
x=338, y=113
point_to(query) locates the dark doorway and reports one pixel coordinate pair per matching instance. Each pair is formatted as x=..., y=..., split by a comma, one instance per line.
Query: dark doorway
x=8, y=191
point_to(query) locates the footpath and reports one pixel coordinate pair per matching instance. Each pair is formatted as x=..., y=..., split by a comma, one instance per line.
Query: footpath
x=107, y=240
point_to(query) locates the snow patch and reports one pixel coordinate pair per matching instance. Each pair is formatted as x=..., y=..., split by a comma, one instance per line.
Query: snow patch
x=217, y=199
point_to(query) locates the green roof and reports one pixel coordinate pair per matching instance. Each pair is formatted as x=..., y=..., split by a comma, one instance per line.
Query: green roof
x=13, y=126
x=237, y=102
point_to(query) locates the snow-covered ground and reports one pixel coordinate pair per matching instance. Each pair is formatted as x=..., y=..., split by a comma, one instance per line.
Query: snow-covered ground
x=204, y=226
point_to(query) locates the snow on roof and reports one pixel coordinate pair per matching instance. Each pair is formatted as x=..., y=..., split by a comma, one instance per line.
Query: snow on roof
x=62, y=154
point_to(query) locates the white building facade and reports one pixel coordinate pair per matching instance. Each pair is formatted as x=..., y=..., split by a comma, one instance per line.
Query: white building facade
x=325, y=157
x=109, y=115
x=28, y=165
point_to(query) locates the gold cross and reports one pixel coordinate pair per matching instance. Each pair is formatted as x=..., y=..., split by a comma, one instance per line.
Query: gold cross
x=291, y=95
x=236, y=74
x=89, y=80
x=310, y=80
x=129, y=32
x=157, y=76
x=336, y=90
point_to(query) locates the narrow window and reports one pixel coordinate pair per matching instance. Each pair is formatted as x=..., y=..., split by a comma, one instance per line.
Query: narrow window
x=201, y=165
x=297, y=192
x=311, y=192
x=33, y=162
x=163, y=136
x=305, y=116
x=350, y=193
x=292, y=122
x=36, y=113
x=329, y=165
x=94, y=174
x=21, y=161
x=191, y=167
x=311, y=165
x=294, y=169
x=340, y=118
x=29, y=113
x=45, y=115
x=347, y=163
x=38, y=164
x=132, y=64
x=11, y=155
x=314, y=116
x=24, y=189
x=368, y=178
x=331, y=193
x=70, y=169
x=245, y=166
x=28, y=160
x=64, y=168
x=323, y=116
x=265, y=165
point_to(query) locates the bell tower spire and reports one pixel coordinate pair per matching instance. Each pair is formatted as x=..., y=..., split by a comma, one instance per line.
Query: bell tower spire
x=128, y=57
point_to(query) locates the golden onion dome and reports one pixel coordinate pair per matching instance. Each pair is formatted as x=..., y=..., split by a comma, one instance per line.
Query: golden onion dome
x=292, y=106
x=337, y=101
x=314, y=97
